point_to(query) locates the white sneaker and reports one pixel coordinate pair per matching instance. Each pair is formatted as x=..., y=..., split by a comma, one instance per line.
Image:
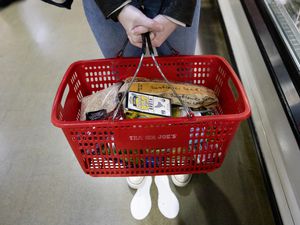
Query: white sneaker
x=181, y=180
x=167, y=201
x=141, y=204
x=134, y=182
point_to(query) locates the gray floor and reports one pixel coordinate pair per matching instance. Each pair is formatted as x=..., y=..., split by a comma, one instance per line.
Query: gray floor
x=41, y=182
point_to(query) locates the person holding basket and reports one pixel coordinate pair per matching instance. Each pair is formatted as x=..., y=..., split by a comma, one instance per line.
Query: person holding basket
x=173, y=27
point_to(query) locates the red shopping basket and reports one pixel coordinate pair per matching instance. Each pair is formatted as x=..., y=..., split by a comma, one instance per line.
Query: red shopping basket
x=139, y=147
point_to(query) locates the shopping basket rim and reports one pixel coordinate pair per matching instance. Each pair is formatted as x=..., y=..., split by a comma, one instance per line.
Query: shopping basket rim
x=148, y=121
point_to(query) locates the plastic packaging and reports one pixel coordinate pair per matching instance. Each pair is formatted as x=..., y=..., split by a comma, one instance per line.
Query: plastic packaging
x=100, y=104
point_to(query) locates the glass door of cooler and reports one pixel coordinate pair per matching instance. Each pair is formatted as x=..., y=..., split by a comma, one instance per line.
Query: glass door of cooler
x=286, y=16
x=279, y=36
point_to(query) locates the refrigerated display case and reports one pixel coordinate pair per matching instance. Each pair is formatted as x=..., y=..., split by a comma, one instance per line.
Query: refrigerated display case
x=265, y=39
x=285, y=15
x=282, y=38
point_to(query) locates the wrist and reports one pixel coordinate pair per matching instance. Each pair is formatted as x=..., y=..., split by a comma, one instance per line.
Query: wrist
x=123, y=12
x=166, y=22
x=115, y=14
x=177, y=22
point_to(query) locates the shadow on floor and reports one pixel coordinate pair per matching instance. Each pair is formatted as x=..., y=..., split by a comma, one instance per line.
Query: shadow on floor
x=209, y=194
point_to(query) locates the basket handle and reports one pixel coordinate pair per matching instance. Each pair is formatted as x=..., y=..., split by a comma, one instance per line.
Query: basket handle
x=131, y=82
x=59, y=100
x=147, y=42
x=189, y=112
x=122, y=50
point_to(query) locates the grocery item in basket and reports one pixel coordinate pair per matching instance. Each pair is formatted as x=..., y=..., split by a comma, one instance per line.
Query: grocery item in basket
x=129, y=114
x=96, y=115
x=102, y=102
x=194, y=96
x=180, y=112
x=148, y=104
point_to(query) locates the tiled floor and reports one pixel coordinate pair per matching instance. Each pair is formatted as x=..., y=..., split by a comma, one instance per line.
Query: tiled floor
x=41, y=182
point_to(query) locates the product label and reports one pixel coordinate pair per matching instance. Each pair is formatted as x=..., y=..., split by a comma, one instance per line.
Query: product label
x=96, y=115
x=149, y=104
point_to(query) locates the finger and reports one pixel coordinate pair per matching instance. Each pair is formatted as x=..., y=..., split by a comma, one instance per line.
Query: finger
x=157, y=27
x=156, y=42
x=152, y=36
x=152, y=25
x=140, y=30
x=136, y=38
x=137, y=44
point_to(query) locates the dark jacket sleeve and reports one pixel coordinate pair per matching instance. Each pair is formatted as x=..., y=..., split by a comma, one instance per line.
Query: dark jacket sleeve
x=108, y=6
x=66, y=4
x=181, y=10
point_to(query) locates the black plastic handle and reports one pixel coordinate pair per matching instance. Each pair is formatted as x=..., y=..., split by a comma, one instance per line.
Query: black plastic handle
x=147, y=41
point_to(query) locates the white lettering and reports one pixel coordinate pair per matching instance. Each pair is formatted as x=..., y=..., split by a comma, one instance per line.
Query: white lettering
x=136, y=138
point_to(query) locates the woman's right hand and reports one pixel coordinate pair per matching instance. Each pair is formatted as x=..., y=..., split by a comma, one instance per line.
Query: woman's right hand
x=136, y=23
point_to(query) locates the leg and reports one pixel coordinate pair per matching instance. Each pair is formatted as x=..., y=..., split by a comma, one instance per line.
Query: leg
x=109, y=35
x=183, y=39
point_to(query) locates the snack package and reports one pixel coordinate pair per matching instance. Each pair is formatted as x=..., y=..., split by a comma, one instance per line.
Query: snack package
x=101, y=104
x=194, y=96
x=148, y=104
